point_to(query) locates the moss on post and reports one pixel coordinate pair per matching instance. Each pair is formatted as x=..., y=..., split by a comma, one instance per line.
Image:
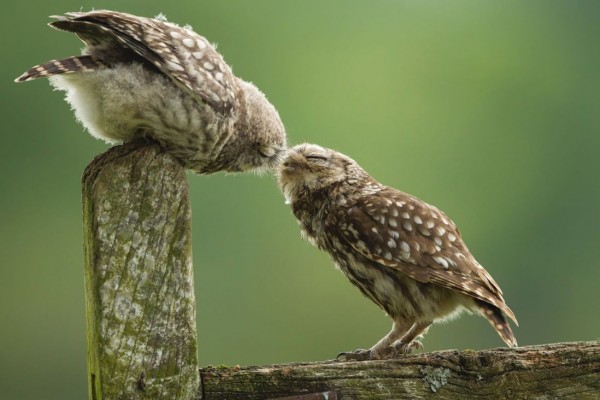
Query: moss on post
x=138, y=276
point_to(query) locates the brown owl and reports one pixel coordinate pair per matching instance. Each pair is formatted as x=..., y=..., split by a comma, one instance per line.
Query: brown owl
x=143, y=77
x=402, y=253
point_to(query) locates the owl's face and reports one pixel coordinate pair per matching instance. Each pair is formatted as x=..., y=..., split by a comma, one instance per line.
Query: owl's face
x=261, y=138
x=258, y=155
x=311, y=167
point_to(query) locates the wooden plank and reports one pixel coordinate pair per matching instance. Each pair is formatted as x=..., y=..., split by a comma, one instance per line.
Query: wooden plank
x=564, y=370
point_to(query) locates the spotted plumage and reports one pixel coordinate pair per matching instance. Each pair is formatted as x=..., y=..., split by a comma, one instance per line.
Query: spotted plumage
x=404, y=254
x=143, y=77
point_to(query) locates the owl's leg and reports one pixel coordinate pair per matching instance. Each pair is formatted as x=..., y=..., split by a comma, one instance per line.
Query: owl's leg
x=409, y=341
x=381, y=349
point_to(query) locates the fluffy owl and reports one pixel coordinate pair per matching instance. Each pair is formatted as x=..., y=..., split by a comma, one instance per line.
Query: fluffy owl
x=402, y=253
x=142, y=77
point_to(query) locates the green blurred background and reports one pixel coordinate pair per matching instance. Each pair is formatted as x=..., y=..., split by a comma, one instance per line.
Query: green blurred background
x=489, y=110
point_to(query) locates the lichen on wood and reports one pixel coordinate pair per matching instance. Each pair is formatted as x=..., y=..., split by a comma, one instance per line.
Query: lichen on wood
x=138, y=276
x=556, y=371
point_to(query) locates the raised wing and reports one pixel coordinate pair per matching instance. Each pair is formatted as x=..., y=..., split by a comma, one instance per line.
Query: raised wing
x=179, y=53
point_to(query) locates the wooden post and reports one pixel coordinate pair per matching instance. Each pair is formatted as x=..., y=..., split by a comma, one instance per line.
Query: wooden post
x=563, y=370
x=140, y=305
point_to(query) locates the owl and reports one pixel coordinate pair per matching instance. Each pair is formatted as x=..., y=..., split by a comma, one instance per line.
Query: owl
x=402, y=253
x=148, y=78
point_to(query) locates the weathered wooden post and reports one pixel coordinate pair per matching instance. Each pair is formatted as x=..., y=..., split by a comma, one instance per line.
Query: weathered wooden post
x=141, y=327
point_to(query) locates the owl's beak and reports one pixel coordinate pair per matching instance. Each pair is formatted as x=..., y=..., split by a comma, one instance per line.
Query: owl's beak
x=288, y=166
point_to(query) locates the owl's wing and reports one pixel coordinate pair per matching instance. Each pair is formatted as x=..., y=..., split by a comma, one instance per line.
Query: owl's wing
x=181, y=54
x=401, y=232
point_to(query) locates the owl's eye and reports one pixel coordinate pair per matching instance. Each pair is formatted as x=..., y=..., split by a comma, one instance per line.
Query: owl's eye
x=316, y=157
x=266, y=152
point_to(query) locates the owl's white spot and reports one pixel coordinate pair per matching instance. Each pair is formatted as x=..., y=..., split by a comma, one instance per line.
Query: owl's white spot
x=416, y=246
x=394, y=234
x=440, y=231
x=208, y=66
x=387, y=255
x=411, y=207
x=201, y=44
x=499, y=327
x=424, y=231
x=175, y=34
x=418, y=219
x=406, y=225
x=174, y=66
x=198, y=55
x=361, y=245
x=382, y=219
x=394, y=212
x=219, y=76
x=393, y=223
x=187, y=42
x=405, y=255
x=405, y=246
x=429, y=224
x=451, y=237
x=400, y=204
x=375, y=231
x=391, y=244
x=437, y=241
x=405, y=215
x=352, y=230
x=442, y=261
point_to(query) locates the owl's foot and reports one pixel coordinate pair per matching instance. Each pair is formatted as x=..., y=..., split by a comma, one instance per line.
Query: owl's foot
x=400, y=349
x=357, y=355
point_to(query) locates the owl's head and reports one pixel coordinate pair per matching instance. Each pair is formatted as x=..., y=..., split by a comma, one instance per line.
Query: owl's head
x=312, y=167
x=260, y=140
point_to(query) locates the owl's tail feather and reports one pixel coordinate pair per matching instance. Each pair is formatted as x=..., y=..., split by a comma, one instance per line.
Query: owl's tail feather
x=497, y=320
x=64, y=66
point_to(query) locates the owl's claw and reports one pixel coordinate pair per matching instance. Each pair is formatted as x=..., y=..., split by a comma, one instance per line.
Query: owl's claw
x=401, y=349
x=358, y=355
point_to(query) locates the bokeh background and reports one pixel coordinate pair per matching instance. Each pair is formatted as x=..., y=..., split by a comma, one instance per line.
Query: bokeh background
x=489, y=110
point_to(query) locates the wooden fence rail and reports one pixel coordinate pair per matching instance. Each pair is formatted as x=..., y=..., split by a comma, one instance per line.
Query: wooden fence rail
x=141, y=316
x=555, y=371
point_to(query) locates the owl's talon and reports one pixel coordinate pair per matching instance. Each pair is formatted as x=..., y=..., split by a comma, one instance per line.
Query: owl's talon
x=403, y=349
x=357, y=355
